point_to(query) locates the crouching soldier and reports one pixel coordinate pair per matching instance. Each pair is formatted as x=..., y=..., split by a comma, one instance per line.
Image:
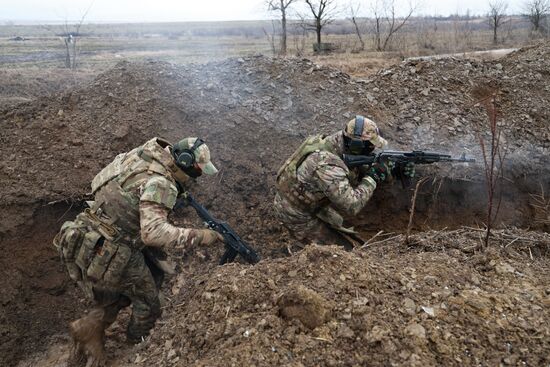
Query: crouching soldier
x=314, y=185
x=107, y=248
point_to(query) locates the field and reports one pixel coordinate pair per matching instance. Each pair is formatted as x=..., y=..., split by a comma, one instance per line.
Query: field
x=435, y=299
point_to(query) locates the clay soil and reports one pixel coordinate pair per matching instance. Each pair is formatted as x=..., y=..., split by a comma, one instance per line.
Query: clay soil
x=436, y=301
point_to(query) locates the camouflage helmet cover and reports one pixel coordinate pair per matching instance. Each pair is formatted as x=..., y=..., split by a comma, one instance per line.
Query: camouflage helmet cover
x=202, y=154
x=370, y=133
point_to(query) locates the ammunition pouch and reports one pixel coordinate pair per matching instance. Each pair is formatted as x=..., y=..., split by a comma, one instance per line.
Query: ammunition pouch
x=90, y=250
x=68, y=242
x=108, y=262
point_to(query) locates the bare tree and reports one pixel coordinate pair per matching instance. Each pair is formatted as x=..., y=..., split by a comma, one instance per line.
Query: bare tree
x=386, y=21
x=537, y=11
x=323, y=12
x=282, y=6
x=69, y=34
x=497, y=12
x=354, y=9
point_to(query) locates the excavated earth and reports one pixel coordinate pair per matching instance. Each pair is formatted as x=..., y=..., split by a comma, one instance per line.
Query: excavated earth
x=435, y=301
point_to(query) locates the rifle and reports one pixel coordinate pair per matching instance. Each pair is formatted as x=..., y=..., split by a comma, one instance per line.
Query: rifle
x=234, y=245
x=401, y=158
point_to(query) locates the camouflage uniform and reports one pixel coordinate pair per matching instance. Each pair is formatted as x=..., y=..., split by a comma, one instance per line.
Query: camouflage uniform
x=310, y=203
x=103, y=248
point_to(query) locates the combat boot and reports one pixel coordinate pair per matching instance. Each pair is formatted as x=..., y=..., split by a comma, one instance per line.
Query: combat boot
x=88, y=335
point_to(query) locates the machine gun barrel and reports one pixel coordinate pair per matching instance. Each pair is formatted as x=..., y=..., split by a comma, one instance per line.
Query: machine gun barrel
x=415, y=156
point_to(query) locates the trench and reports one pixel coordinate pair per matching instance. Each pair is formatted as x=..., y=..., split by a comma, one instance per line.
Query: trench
x=38, y=299
x=444, y=203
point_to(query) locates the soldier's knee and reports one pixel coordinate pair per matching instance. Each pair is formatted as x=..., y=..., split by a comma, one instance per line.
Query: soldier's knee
x=144, y=316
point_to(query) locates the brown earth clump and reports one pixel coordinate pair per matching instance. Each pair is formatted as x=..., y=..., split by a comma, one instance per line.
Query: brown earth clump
x=253, y=112
x=305, y=305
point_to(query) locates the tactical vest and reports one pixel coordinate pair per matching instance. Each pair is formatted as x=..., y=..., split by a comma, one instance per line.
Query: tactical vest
x=99, y=243
x=113, y=203
x=287, y=180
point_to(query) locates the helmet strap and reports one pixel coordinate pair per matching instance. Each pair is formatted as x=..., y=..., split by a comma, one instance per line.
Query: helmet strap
x=356, y=144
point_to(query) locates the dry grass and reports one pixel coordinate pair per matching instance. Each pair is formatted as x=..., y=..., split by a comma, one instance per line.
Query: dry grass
x=541, y=205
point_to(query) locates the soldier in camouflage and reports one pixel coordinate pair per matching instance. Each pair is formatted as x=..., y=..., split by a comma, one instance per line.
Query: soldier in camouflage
x=314, y=185
x=107, y=248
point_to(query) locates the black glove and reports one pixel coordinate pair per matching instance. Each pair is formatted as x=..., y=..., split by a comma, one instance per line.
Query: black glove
x=379, y=172
x=409, y=170
x=404, y=170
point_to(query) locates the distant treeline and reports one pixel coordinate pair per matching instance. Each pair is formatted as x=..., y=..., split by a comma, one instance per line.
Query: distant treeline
x=248, y=28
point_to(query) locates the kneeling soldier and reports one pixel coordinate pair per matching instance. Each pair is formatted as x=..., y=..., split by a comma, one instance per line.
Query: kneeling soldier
x=315, y=184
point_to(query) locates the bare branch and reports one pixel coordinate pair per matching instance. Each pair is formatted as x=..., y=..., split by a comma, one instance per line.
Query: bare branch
x=383, y=35
x=354, y=11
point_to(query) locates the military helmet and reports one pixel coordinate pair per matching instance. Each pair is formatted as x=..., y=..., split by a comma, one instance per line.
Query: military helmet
x=361, y=135
x=190, y=153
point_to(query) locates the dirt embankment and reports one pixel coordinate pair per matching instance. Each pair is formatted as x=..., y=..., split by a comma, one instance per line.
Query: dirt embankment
x=328, y=307
x=27, y=84
x=253, y=112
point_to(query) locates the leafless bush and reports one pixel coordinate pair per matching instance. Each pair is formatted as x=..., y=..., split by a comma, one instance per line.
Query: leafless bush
x=413, y=207
x=462, y=31
x=299, y=38
x=426, y=34
x=354, y=9
x=493, y=156
x=541, y=205
x=386, y=21
x=271, y=38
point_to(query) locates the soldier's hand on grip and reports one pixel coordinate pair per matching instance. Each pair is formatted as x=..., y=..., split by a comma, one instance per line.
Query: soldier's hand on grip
x=409, y=170
x=379, y=172
x=208, y=237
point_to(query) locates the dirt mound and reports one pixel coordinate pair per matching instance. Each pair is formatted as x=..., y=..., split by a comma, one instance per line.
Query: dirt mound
x=389, y=305
x=253, y=112
x=23, y=85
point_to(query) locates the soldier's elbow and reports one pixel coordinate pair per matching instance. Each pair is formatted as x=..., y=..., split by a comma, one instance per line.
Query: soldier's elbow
x=150, y=238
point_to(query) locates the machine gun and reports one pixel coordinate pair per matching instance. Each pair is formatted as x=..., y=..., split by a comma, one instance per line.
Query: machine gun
x=233, y=243
x=400, y=159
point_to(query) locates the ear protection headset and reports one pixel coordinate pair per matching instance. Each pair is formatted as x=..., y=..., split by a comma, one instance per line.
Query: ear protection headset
x=356, y=144
x=185, y=158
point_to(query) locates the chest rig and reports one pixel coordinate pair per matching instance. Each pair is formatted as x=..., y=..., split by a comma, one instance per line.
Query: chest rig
x=288, y=184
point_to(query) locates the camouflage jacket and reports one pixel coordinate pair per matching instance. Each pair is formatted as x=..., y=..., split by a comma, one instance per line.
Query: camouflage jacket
x=136, y=192
x=326, y=182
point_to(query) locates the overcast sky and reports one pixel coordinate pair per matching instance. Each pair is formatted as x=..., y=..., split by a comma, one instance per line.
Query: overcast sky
x=190, y=10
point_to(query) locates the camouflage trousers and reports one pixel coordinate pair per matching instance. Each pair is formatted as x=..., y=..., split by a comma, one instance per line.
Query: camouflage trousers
x=305, y=227
x=139, y=287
